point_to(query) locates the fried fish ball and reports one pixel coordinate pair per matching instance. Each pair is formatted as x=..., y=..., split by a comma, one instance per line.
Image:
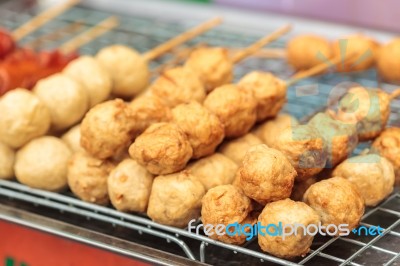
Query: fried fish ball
x=388, y=61
x=87, y=178
x=212, y=65
x=73, y=138
x=372, y=174
x=268, y=130
x=107, y=129
x=203, y=129
x=368, y=109
x=307, y=51
x=287, y=212
x=42, y=164
x=128, y=70
x=92, y=76
x=337, y=201
x=360, y=52
x=175, y=199
x=178, y=85
x=266, y=174
x=299, y=188
x=226, y=205
x=236, y=108
x=129, y=186
x=23, y=118
x=66, y=99
x=7, y=160
x=163, y=149
x=304, y=147
x=269, y=91
x=213, y=170
x=148, y=110
x=388, y=146
x=340, y=138
x=236, y=149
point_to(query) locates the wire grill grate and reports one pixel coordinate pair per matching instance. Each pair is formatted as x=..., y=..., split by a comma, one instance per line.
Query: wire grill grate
x=144, y=33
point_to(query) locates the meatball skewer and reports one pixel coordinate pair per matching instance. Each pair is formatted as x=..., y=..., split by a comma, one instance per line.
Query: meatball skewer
x=367, y=108
x=206, y=69
x=128, y=85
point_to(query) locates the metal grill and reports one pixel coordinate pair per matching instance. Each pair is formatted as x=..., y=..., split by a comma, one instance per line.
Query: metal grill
x=143, y=33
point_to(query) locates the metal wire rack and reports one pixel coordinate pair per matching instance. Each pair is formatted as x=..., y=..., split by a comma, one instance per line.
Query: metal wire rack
x=304, y=99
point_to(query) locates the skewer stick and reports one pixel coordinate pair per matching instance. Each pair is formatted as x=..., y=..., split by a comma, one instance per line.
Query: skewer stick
x=89, y=35
x=181, y=38
x=56, y=35
x=395, y=94
x=316, y=69
x=259, y=44
x=42, y=19
x=265, y=53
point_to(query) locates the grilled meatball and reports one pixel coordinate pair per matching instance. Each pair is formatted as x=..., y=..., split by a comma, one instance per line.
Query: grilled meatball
x=371, y=174
x=337, y=201
x=175, y=199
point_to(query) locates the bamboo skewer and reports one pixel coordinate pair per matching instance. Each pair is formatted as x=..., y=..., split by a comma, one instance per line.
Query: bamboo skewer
x=316, y=69
x=264, y=53
x=395, y=94
x=55, y=35
x=89, y=35
x=253, y=48
x=42, y=19
x=181, y=38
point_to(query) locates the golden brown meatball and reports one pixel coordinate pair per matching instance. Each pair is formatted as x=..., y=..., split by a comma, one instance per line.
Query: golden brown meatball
x=307, y=51
x=7, y=160
x=129, y=186
x=128, y=70
x=163, y=149
x=213, y=170
x=266, y=175
x=107, y=129
x=236, y=108
x=42, y=164
x=388, y=61
x=212, y=65
x=148, y=110
x=368, y=109
x=268, y=130
x=358, y=50
x=92, y=76
x=304, y=147
x=178, y=85
x=23, y=118
x=299, y=188
x=235, y=149
x=73, y=138
x=337, y=201
x=371, y=174
x=175, y=199
x=388, y=146
x=269, y=91
x=66, y=99
x=226, y=205
x=340, y=138
x=87, y=178
x=287, y=212
x=203, y=128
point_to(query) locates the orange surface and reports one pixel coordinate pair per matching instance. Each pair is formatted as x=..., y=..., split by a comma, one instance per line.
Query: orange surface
x=21, y=246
